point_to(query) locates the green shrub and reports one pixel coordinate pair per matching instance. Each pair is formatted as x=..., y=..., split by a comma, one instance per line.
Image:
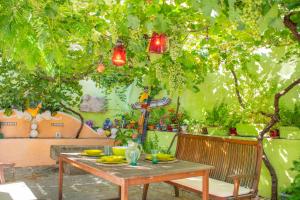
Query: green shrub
x=294, y=189
x=290, y=117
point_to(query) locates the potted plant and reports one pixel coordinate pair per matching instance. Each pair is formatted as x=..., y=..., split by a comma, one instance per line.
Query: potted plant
x=131, y=125
x=151, y=123
x=217, y=118
x=123, y=136
x=292, y=192
x=232, y=120
x=274, y=133
x=290, y=121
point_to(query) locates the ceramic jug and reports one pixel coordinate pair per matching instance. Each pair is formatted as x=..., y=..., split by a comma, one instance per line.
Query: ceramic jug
x=133, y=153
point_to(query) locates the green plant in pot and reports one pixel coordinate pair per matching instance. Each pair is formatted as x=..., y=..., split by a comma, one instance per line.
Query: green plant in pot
x=123, y=136
x=218, y=115
x=290, y=117
x=151, y=123
x=292, y=192
x=232, y=120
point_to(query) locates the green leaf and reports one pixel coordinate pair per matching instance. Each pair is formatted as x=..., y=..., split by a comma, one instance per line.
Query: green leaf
x=149, y=26
x=133, y=21
x=161, y=24
x=233, y=14
x=271, y=15
x=296, y=18
x=293, y=5
x=51, y=10
x=210, y=5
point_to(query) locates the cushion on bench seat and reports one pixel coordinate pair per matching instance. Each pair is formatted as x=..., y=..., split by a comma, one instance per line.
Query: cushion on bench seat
x=16, y=191
x=216, y=187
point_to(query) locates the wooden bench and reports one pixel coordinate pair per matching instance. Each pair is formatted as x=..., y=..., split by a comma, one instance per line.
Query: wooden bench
x=237, y=166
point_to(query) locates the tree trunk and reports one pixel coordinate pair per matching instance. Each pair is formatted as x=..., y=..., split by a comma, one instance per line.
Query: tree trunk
x=292, y=26
x=178, y=125
x=79, y=115
x=274, y=118
x=273, y=174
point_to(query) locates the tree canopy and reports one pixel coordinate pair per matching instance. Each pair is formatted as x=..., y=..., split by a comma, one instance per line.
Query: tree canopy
x=48, y=46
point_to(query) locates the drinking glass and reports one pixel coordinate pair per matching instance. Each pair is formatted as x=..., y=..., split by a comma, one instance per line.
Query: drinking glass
x=108, y=150
x=154, y=153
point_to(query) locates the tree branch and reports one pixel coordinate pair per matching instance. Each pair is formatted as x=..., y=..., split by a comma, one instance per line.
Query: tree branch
x=178, y=125
x=274, y=119
x=237, y=91
x=292, y=26
x=79, y=115
x=275, y=116
x=238, y=94
x=73, y=78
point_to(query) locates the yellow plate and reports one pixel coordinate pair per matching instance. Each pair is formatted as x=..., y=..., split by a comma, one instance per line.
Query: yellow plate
x=111, y=162
x=92, y=152
x=99, y=155
x=162, y=157
x=112, y=159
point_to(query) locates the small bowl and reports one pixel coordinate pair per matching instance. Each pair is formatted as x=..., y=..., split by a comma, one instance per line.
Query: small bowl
x=119, y=150
x=93, y=152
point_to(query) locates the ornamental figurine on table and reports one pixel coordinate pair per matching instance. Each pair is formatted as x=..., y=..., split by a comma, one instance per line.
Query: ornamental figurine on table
x=145, y=104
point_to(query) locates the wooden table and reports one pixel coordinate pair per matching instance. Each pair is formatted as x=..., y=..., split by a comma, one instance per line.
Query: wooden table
x=144, y=173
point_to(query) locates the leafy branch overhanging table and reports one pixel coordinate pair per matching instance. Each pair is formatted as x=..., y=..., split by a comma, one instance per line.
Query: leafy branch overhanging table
x=145, y=173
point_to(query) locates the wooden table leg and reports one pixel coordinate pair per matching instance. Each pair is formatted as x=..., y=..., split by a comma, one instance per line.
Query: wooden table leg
x=60, y=185
x=124, y=192
x=2, y=180
x=119, y=192
x=145, y=191
x=205, y=186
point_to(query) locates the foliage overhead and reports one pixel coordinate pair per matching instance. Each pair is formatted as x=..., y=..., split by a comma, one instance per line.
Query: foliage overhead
x=47, y=47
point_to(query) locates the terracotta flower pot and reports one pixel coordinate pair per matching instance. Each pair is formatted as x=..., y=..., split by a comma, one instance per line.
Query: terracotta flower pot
x=233, y=131
x=151, y=127
x=274, y=133
x=169, y=128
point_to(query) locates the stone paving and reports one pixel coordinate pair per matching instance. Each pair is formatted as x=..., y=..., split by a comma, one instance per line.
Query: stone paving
x=43, y=182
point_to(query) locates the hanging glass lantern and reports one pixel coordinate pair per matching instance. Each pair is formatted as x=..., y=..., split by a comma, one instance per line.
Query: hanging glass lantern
x=158, y=43
x=119, y=54
x=100, y=68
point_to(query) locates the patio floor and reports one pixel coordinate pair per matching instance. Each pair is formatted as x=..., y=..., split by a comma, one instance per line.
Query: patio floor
x=43, y=182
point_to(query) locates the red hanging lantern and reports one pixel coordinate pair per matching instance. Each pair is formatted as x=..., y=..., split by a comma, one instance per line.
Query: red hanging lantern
x=158, y=43
x=119, y=54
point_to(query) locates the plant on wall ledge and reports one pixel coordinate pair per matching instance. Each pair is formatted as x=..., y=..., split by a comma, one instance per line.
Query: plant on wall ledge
x=290, y=117
x=218, y=115
x=292, y=192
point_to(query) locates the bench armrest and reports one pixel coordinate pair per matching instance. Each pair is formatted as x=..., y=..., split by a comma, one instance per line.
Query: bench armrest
x=236, y=182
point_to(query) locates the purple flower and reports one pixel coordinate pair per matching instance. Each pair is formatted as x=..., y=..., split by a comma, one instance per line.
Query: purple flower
x=90, y=123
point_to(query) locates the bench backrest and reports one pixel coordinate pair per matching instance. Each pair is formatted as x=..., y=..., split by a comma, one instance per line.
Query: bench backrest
x=228, y=156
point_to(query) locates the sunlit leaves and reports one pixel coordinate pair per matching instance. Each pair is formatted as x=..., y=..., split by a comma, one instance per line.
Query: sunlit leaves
x=269, y=18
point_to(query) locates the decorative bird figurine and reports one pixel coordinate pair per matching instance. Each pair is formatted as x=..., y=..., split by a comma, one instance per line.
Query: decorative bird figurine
x=34, y=111
x=144, y=96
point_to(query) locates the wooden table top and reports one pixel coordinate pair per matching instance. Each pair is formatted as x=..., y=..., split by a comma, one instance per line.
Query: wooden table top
x=145, y=169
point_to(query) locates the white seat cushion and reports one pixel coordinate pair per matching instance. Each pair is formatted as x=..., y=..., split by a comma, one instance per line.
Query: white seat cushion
x=216, y=187
x=16, y=191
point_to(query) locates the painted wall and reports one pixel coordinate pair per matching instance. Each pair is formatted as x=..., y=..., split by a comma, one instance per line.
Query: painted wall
x=15, y=126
